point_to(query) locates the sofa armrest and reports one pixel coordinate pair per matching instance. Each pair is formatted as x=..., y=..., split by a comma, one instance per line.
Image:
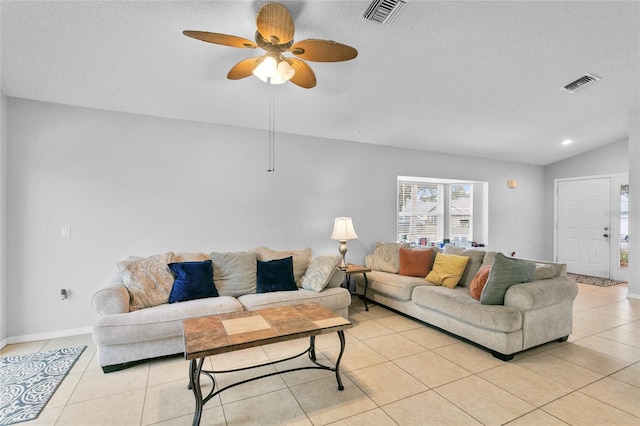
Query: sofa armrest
x=112, y=299
x=537, y=294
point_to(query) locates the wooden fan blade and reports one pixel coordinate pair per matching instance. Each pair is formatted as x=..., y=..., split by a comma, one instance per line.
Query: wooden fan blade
x=243, y=68
x=275, y=23
x=223, y=39
x=304, y=76
x=323, y=51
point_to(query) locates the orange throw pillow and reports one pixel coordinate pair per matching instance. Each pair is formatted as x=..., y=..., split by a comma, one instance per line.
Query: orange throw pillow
x=415, y=263
x=478, y=282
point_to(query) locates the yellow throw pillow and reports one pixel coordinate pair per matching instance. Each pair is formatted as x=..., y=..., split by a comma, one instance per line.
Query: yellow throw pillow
x=447, y=270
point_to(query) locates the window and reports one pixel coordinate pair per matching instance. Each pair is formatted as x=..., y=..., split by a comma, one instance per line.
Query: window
x=419, y=211
x=461, y=212
x=623, y=240
x=435, y=210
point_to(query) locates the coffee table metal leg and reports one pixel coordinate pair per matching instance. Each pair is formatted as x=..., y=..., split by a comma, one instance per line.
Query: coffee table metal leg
x=312, y=348
x=196, y=371
x=342, y=344
x=195, y=367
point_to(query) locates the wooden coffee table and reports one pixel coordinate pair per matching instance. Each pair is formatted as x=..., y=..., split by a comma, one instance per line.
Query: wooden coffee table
x=218, y=334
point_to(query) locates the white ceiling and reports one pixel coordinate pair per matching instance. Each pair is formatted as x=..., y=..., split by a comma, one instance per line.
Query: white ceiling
x=474, y=78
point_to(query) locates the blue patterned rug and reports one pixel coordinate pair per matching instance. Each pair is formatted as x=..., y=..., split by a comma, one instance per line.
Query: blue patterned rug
x=27, y=382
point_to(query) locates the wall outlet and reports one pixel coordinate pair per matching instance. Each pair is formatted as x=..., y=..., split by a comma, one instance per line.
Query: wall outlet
x=65, y=231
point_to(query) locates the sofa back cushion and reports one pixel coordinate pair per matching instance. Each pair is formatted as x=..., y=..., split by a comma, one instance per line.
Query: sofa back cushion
x=234, y=273
x=189, y=256
x=544, y=271
x=386, y=257
x=301, y=259
x=148, y=280
x=473, y=266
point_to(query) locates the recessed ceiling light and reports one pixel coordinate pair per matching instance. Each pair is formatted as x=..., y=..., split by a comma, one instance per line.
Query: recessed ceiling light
x=567, y=142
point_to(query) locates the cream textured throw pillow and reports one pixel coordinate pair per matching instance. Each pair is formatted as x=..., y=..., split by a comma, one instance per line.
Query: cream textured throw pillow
x=319, y=272
x=148, y=280
x=301, y=259
x=386, y=257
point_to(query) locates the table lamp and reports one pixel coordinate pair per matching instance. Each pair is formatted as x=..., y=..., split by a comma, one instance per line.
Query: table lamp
x=343, y=231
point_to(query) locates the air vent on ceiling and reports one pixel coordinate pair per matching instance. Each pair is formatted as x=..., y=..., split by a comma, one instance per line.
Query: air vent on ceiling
x=581, y=82
x=383, y=11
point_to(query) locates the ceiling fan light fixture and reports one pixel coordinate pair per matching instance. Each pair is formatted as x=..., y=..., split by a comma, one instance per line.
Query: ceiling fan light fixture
x=284, y=72
x=266, y=69
x=274, y=71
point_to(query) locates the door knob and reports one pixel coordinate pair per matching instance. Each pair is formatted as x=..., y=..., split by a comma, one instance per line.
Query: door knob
x=605, y=235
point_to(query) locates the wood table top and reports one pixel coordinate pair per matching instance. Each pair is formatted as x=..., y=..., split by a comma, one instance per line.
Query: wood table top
x=216, y=334
x=356, y=269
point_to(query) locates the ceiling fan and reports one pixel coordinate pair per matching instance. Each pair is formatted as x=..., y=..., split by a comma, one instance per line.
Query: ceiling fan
x=275, y=35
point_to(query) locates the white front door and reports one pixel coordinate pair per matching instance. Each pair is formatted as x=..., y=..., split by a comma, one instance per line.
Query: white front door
x=584, y=226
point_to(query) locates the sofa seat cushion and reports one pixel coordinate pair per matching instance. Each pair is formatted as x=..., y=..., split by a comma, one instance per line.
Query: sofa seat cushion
x=458, y=303
x=158, y=322
x=393, y=285
x=335, y=298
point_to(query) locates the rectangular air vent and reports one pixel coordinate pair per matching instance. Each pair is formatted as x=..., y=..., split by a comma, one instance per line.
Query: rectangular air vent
x=581, y=82
x=383, y=11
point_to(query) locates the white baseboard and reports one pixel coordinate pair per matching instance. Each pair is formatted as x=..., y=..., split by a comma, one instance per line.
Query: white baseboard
x=633, y=296
x=3, y=343
x=47, y=336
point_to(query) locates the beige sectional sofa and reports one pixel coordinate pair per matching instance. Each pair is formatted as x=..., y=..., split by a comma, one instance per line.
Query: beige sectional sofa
x=530, y=314
x=136, y=322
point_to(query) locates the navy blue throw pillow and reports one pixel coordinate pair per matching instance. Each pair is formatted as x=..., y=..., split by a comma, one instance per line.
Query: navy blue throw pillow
x=275, y=275
x=192, y=280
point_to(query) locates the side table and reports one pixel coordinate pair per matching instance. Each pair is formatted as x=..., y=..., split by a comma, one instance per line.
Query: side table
x=357, y=269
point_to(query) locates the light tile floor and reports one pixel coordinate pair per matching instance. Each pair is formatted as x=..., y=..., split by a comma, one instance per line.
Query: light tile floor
x=396, y=371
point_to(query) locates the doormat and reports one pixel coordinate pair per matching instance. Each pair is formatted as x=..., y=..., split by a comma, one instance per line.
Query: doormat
x=600, y=282
x=27, y=382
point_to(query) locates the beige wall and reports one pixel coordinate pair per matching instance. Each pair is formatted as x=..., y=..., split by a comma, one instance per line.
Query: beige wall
x=3, y=219
x=634, y=203
x=3, y=211
x=137, y=185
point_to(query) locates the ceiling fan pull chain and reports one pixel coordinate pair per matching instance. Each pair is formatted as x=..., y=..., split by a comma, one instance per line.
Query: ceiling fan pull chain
x=272, y=131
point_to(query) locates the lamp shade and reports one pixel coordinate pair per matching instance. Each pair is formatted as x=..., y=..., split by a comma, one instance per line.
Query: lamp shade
x=343, y=229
